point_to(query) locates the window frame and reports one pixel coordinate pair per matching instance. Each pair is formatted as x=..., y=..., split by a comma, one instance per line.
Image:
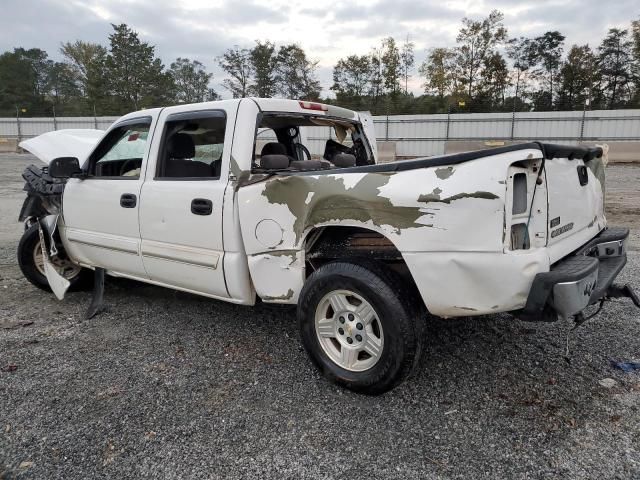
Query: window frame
x=267, y=113
x=180, y=116
x=91, y=161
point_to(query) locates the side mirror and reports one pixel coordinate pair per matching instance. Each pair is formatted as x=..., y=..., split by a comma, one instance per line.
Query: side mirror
x=64, y=167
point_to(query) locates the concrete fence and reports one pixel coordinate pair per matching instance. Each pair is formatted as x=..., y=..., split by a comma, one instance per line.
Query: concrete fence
x=404, y=136
x=425, y=135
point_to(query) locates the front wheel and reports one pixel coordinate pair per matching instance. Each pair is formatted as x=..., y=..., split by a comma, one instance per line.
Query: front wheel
x=359, y=326
x=31, y=263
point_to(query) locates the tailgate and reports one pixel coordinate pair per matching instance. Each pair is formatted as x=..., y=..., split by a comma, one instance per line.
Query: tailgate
x=575, y=195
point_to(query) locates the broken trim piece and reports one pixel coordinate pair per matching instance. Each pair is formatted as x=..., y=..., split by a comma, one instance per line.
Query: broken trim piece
x=59, y=285
x=97, y=304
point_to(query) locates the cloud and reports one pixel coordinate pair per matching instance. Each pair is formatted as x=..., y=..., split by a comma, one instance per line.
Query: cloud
x=203, y=29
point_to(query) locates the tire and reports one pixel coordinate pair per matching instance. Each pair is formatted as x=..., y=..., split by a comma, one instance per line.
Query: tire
x=79, y=278
x=394, y=333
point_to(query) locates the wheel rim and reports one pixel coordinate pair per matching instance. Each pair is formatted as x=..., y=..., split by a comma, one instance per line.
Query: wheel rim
x=65, y=268
x=349, y=330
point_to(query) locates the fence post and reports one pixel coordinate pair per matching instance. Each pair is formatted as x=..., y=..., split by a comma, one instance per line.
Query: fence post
x=446, y=137
x=55, y=121
x=95, y=117
x=584, y=114
x=386, y=127
x=513, y=123
x=19, y=126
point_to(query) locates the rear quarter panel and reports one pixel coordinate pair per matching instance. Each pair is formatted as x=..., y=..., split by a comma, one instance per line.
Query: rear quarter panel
x=438, y=218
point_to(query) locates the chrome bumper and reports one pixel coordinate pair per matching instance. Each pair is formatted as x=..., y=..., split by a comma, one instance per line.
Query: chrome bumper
x=580, y=280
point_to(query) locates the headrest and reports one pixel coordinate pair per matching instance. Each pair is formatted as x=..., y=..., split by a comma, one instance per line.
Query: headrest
x=273, y=148
x=307, y=165
x=343, y=160
x=181, y=145
x=274, y=162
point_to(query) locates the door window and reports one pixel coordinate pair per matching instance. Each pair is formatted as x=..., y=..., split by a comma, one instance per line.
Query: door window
x=192, y=146
x=121, y=153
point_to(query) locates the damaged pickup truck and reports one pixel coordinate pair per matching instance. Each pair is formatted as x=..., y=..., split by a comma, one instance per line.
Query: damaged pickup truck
x=283, y=201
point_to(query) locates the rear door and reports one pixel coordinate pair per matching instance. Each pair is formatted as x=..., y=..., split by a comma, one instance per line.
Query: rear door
x=182, y=201
x=100, y=213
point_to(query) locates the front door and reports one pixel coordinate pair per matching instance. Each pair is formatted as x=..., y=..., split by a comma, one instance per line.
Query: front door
x=182, y=200
x=100, y=212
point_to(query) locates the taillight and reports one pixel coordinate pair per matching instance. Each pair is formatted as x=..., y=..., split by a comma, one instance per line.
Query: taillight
x=313, y=106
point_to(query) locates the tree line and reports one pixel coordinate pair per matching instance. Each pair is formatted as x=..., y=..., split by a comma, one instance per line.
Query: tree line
x=127, y=75
x=489, y=72
x=485, y=71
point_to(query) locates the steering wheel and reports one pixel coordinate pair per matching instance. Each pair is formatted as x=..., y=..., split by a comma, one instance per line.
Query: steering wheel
x=123, y=168
x=305, y=150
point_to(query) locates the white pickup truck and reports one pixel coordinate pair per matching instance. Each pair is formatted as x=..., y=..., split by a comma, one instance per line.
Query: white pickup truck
x=283, y=201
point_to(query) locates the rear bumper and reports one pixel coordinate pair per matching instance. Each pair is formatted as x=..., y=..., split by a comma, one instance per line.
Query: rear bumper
x=579, y=280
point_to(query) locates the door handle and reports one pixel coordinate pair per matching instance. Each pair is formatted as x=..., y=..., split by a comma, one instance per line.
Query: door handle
x=128, y=200
x=201, y=206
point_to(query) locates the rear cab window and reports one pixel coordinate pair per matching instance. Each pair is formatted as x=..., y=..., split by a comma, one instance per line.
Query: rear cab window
x=309, y=142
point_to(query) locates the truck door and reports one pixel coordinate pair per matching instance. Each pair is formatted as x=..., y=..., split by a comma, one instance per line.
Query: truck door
x=100, y=212
x=182, y=201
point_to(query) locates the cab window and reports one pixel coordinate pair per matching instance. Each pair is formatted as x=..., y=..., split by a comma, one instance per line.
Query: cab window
x=121, y=153
x=192, y=146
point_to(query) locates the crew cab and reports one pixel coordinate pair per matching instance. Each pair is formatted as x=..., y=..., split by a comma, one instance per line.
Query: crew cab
x=284, y=201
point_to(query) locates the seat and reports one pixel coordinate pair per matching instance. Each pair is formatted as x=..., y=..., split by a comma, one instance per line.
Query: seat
x=180, y=147
x=344, y=160
x=273, y=148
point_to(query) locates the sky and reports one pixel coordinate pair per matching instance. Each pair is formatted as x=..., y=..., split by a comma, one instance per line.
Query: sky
x=327, y=30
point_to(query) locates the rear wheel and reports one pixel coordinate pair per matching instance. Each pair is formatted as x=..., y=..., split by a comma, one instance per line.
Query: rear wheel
x=359, y=326
x=31, y=263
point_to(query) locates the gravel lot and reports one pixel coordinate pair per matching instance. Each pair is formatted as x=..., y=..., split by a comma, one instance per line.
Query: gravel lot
x=170, y=385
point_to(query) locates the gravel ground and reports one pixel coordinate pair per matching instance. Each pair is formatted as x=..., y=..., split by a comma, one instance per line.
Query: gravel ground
x=170, y=385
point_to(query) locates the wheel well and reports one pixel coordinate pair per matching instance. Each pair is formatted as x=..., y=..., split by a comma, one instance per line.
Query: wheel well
x=354, y=244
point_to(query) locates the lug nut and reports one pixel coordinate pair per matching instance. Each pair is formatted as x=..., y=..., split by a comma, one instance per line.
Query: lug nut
x=349, y=340
x=359, y=338
x=359, y=326
x=351, y=317
x=341, y=319
x=341, y=331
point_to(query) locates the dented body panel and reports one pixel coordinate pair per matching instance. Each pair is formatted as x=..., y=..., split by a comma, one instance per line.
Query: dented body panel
x=473, y=230
x=447, y=222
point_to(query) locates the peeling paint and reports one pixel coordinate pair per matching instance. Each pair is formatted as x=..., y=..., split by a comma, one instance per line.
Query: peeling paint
x=332, y=201
x=286, y=296
x=431, y=197
x=435, y=197
x=444, y=173
x=291, y=254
